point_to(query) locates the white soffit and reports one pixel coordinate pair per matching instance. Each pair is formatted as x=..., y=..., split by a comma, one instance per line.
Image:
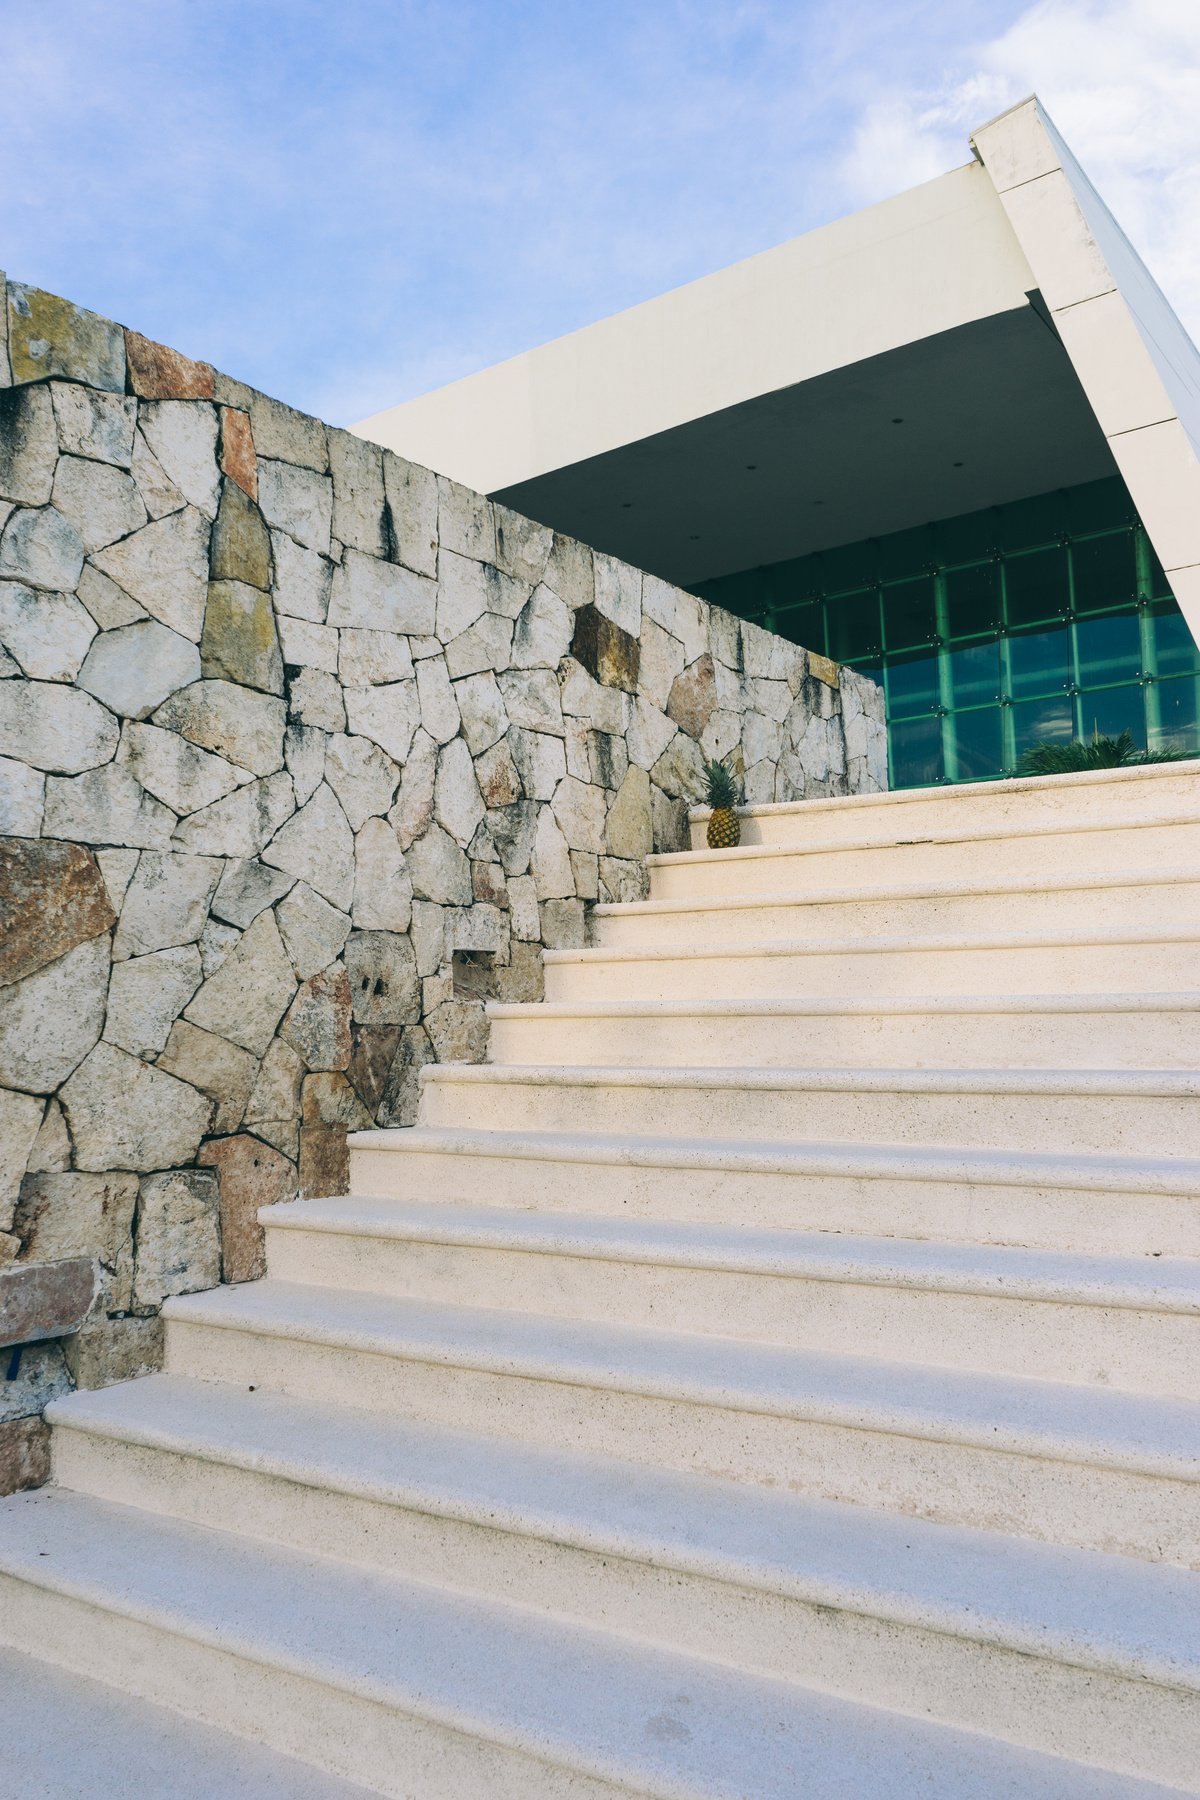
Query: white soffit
x=927, y=261
x=1135, y=362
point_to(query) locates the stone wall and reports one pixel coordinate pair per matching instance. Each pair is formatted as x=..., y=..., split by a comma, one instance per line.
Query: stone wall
x=306, y=751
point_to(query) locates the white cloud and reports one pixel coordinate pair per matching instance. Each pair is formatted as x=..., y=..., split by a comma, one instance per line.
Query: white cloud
x=1121, y=80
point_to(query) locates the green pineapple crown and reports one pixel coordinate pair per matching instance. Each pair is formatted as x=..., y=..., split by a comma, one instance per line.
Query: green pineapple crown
x=719, y=781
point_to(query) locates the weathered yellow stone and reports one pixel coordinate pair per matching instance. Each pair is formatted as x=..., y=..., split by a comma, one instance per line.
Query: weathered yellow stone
x=49, y=336
x=823, y=668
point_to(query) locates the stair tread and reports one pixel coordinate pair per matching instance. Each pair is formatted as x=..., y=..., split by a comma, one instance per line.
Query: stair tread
x=1028, y=1168
x=786, y=1005
x=858, y=945
x=614, y=1708
x=1108, y=1083
x=1074, y=1605
x=1086, y=1424
x=1166, y=1284
x=72, y=1738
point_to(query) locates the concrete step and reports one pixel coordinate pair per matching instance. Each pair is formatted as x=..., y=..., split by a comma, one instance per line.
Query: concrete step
x=1107, y=1112
x=1077, y=849
x=968, y=1031
x=1106, y=1205
x=1153, y=900
x=1130, y=1322
x=1069, y=1652
x=421, y=1691
x=69, y=1737
x=1082, y=1465
x=1090, y=961
x=1100, y=796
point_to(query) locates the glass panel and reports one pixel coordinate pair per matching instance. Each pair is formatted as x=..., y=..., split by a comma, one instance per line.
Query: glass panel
x=1040, y=520
x=974, y=671
x=972, y=599
x=912, y=685
x=1174, y=645
x=1178, y=713
x=854, y=625
x=1042, y=721
x=1036, y=586
x=1037, y=662
x=804, y=624
x=979, y=740
x=1108, y=649
x=908, y=613
x=1110, y=711
x=916, y=752
x=1105, y=572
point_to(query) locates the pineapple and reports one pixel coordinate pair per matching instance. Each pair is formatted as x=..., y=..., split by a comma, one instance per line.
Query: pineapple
x=724, y=827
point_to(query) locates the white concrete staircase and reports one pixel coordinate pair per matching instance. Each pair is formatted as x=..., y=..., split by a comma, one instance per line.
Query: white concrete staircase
x=776, y=1373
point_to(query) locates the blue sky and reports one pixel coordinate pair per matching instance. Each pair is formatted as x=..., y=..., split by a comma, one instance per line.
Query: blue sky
x=350, y=203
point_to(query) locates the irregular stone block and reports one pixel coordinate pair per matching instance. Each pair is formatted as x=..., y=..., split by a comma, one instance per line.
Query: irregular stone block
x=389, y=716
x=20, y=1123
x=329, y=1099
x=159, y=494
x=373, y=658
x=247, y=888
x=42, y=1374
x=297, y=501
x=106, y=806
x=52, y=897
x=362, y=776
x=245, y=999
x=512, y=830
x=487, y=645
x=551, y=860
x=315, y=699
x=458, y=1031
x=669, y=818
x=302, y=579
x=412, y=813
x=439, y=869
x=239, y=642
x=693, y=697
x=522, y=545
x=241, y=544
x=135, y=668
x=276, y=1094
x=238, y=459
x=374, y=1050
x=579, y=810
x=251, y=1176
x=182, y=434
x=540, y=761
x=622, y=881
x=586, y=869
x=523, y=907
x=157, y=373
x=47, y=634
x=22, y=798
x=317, y=847
x=146, y=995
x=317, y=1024
x=457, y=804
x=41, y=548
x=466, y=523
x=216, y=941
x=111, y=1350
x=166, y=903
x=563, y=924
x=481, y=707
x=108, y=605
x=306, y=645
x=179, y=774
x=279, y=431
x=98, y=425
x=379, y=596
x=49, y=336
x=496, y=773
x=462, y=594
x=242, y=823
x=382, y=888
x=660, y=663
x=488, y=881
x=51, y=1152
x=610, y=654
x=357, y=470
x=629, y=831
x=100, y=501
x=618, y=587
x=382, y=971
x=243, y=726
x=125, y=1115
x=63, y=1217
x=178, y=1236
x=304, y=753
x=28, y=445
x=411, y=521
x=401, y=1091
x=218, y=1068
x=164, y=567
x=543, y=633
x=570, y=573
x=324, y=1161
x=50, y=1020
x=55, y=727
x=312, y=930
x=24, y=1455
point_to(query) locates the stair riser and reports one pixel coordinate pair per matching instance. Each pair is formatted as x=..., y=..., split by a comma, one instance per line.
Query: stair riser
x=995, y=969
x=1067, y=1503
x=1143, y=1351
x=359, y=1739
x=1060, y=910
x=1095, y=1124
x=922, y=1040
x=1128, y=1224
x=1032, y=1700
x=1074, y=854
x=936, y=811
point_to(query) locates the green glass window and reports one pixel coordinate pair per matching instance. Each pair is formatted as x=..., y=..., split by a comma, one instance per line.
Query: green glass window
x=854, y=625
x=974, y=672
x=1037, y=586
x=909, y=613
x=1038, y=662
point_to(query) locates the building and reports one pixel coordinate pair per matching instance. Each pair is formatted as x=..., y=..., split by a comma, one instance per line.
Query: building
x=953, y=440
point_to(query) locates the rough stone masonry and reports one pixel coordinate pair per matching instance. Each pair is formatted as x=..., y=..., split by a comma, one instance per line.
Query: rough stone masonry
x=304, y=751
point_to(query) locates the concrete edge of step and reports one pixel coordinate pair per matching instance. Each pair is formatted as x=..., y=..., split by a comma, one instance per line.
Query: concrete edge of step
x=975, y=1167
x=820, y=1006
x=108, y=1415
x=1097, y=937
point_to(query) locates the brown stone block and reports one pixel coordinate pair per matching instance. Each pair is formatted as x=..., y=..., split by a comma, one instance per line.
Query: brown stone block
x=374, y=1051
x=24, y=1455
x=317, y=1023
x=251, y=1175
x=324, y=1161
x=610, y=654
x=159, y=373
x=238, y=459
x=45, y=1300
x=52, y=897
x=111, y=1350
x=693, y=697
